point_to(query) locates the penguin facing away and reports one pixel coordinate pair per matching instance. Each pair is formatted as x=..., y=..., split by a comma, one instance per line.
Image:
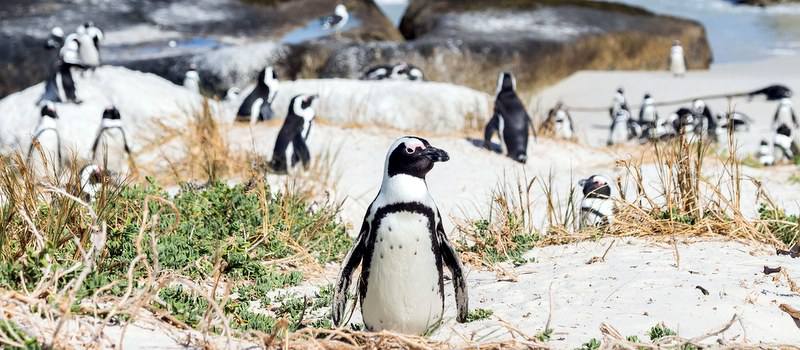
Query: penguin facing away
x=785, y=114
x=110, y=149
x=44, y=153
x=597, y=207
x=510, y=120
x=290, y=146
x=402, y=249
x=257, y=106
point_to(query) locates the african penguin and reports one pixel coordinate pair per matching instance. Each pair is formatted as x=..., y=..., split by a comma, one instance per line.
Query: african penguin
x=378, y=72
x=597, y=207
x=765, y=154
x=772, y=92
x=60, y=86
x=618, y=103
x=92, y=178
x=739, y=121
x=704, y=119
x=110, y=148
x=257, y=106
x=337, y=20
x=683, y=121
x=402, y=249
x=56, y=39
x=44, y=153
x=414, y=73
x=785, y=114
x=561, y=122
x=80, y=50
x=191, y=80
x=623, y=128
x=93, y=32
x=785, y=144
x=677, y=63
x=291, y=146
x=649, y=118
x=510, y=120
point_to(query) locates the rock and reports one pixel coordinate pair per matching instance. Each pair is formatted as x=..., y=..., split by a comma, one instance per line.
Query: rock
x=763, y=3
x=541, y=41
x=227, y=39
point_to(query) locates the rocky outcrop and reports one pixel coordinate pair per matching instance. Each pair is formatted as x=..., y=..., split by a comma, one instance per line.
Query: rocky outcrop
x=166, y=37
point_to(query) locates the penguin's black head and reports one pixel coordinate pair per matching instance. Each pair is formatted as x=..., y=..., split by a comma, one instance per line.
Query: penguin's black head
x=506, y=82
x=596, y=186
x=111, y=113
x=621, y=90
x=49, y=110
x=764, y=143
x=646, y=95
x=302, y=106
x=413, y=156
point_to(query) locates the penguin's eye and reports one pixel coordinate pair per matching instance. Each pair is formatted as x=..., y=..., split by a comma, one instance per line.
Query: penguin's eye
x=409, y=150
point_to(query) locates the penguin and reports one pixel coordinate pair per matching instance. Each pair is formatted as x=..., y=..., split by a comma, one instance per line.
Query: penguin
x=191, y=80
x=772, y=93
x=765, y=154
x=60, y=86
x=648, y=118
x=414, y=73
x=257, y=106
x=402, y=249
x=704, y=119
x=785, y=145
x=741, y=122
x=677, y=63
x=93, y=32
x=623, y=128
x=683, y=121
x=561, y=122
x=110, y=148
x=785, y=114
x=293, y=135
x=597, y=207
x=92, y=179
x=378, y=72
x=44, y=153
x=618, y=103
x=510, y=120
x=56, y=39
x=337, y=20
x=80, y=50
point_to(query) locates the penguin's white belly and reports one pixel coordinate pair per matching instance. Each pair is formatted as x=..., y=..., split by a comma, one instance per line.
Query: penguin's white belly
x=677, y=65
x=784, y=117
x=403, y=286
x=563, y=130
x=255, y=110
x=44, y=158
x=619, y=134
x=110, y=153
x=596, y=212
x=501, y=128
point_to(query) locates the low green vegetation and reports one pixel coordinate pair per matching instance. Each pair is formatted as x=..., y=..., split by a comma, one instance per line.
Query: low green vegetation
x=478, y=314
x=592, y=344
x=495, y=243
x=11, y=331
x=230, y=234
x=785, y=227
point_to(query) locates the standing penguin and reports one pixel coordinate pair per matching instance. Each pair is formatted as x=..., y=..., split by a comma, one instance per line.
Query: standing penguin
x=648, y=118
x=785, y=145
x=79, y=50
x=56, y=39
x=510, y=120
x=94, y=32
x=337, y=20
x=618, y=103
x=110, y=148
x=623, y=128
x=191, y=80
x=44, y=153
x=291, y=142
x=677, y=63
x=257, y=106
x=597, y=207
x=402, y=249
x=560, y=122
x=785, y=114
x=60, y=86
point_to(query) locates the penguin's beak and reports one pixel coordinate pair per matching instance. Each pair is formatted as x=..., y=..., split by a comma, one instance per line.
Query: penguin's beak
x=435, y=154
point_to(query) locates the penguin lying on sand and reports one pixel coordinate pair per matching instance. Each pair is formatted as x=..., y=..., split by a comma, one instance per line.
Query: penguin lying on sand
x=402, y=250
x=510, y=121
x=291, y=144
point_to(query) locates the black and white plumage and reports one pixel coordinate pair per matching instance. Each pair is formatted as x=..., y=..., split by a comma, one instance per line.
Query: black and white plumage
x=290, y=146
x=653, y=126
x=110, y=148
x=510, y=120
x=92, y=178
x=80, y=50
x=92, y=31
x=623, y=128
x=683, y=121
x=400, y=71
x=257, y=106
x=60, y=86
x=765, y=154
x=337, y=20
x=402, y=249
x=738, y=120
x=618, y=103
x=785, y=114
x=773, y=92
x=597, y=206
x=44, y=153
x=786, y=148
x=561, y=122
x=56, y=39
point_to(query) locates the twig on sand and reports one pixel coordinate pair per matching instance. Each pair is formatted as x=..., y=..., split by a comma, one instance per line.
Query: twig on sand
x=613, y=339
x=595, y=259
x=794, y=313
x=677, y=253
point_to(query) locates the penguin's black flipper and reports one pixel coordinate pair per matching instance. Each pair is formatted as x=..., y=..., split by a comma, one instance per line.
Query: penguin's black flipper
x=301, y=152
x=266, y=112
x=453, y=263
x=489, y=131
x=351, y=261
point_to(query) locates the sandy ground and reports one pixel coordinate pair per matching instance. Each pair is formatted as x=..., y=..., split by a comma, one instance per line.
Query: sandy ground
x=638, y=285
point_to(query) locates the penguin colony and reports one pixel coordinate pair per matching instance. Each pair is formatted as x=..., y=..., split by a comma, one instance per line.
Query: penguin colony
x=402, y=248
